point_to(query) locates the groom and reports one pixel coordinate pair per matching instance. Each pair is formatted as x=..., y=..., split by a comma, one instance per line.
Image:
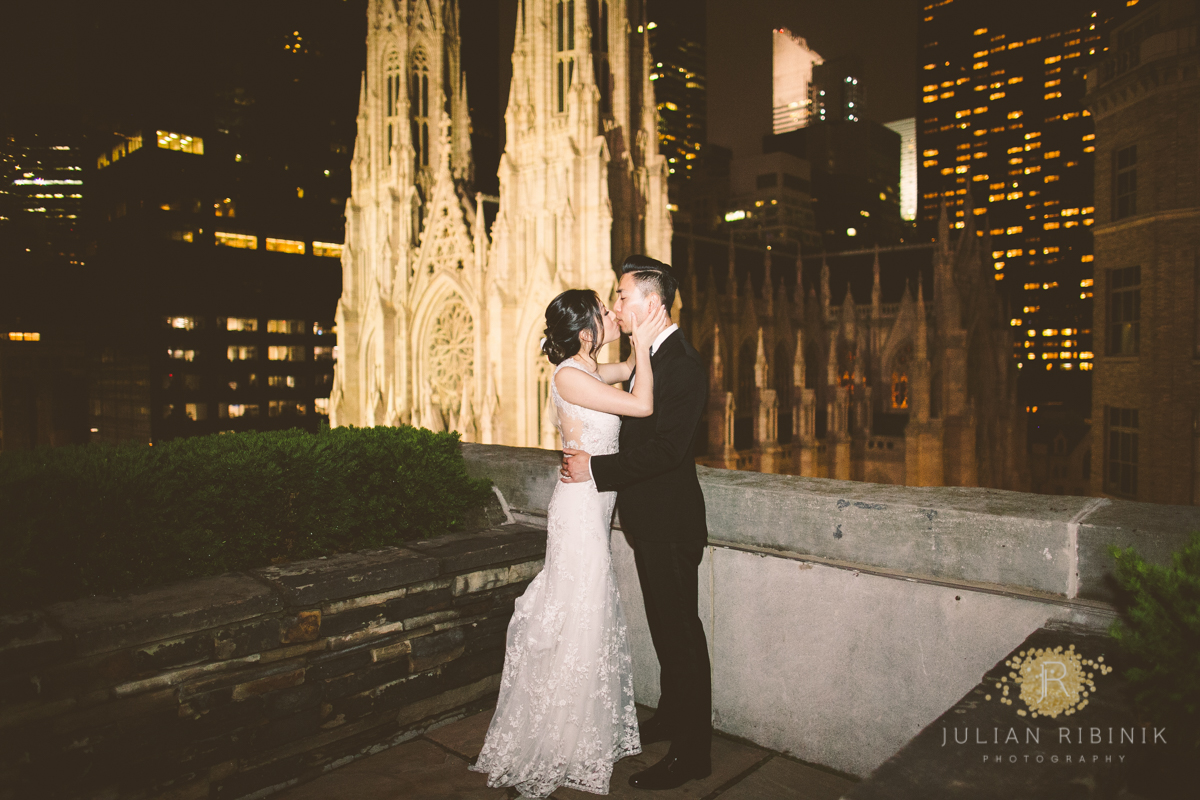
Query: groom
x=662, y=512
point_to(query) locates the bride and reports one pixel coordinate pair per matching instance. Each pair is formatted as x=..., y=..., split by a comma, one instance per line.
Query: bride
x=565, y=713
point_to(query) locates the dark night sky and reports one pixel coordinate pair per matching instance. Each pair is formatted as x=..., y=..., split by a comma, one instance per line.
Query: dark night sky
x=98, y=61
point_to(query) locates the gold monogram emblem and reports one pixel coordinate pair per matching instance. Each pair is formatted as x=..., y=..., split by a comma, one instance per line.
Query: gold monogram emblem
x=1051, y=682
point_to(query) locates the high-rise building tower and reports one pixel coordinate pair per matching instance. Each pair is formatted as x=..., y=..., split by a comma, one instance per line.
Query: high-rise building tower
x=835, y=94
x=793, y=62
x=1002, y=132
x=907, y=128
x=679, y=87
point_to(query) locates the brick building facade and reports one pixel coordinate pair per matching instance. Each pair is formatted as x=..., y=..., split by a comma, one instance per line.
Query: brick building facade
x=1145, y=98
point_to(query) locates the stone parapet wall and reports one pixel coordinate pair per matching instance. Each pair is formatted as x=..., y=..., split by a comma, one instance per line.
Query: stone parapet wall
x=1016, y=542
x=240, y=684
x=843, y=618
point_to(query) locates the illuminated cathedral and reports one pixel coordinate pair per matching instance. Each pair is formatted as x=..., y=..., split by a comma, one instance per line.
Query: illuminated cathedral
x=439, y=319
x=438, y=322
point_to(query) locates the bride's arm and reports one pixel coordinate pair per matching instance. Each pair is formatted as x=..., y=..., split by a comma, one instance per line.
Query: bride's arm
x=582, y=390
x=617, y=371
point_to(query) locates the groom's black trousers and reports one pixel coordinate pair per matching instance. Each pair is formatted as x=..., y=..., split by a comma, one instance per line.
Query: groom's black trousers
x=668, y=573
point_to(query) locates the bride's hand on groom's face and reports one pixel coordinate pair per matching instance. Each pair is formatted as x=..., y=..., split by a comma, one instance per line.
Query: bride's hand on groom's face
x=655, y=322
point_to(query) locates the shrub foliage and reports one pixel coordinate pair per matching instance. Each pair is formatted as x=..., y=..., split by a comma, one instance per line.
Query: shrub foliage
x=1160, y=630
x=101, y=519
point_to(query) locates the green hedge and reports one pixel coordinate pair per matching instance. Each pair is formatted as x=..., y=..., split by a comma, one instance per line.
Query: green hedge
x=102, y=519
x=1160, y=630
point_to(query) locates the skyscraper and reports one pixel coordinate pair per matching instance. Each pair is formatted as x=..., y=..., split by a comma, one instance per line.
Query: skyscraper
x=907, y=128
x=791, y=78
x=835, y=94
x=1002, y=132
x=679, y=89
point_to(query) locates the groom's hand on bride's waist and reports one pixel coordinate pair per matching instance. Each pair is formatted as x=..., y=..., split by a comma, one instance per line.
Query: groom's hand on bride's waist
x=576, y=466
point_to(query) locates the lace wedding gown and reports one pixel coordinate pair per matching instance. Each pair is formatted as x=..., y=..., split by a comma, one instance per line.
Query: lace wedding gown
x=565, y=712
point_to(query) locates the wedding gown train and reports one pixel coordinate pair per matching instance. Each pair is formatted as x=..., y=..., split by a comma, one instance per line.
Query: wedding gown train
x=565, y=713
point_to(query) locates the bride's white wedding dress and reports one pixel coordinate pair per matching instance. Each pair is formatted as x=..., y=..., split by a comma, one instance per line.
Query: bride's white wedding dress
x=565, y=712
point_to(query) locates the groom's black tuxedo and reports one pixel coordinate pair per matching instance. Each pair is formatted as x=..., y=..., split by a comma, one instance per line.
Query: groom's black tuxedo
x=654, y=473
x=662, y=511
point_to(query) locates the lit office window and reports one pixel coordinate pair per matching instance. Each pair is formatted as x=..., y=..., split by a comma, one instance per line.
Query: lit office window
x=242, y=353
x=278, y=381
x=225, y=208
x=243, y=241
x=323, y=329
x=178, y=141
x=322, y=354
x=233, y=410
x=24, y=336
x=285, y=353
x=285, y=326
x=327, y=249
x=280, y=408
x=285, y=246
x=241, y=324
x=321, y=405
x=183, y=323
x=181, y=355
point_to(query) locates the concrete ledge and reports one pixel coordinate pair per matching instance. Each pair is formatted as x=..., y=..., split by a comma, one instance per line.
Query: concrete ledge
x=1025, y=542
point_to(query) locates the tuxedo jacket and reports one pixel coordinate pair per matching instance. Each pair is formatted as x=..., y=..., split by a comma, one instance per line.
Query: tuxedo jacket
x=654, y=472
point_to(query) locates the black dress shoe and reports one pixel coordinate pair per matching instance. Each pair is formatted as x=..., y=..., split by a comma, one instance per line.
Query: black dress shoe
x=653, y=730
x=671, y=773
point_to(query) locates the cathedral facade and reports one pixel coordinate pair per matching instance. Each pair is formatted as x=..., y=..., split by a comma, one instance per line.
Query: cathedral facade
x=439, y=323
x=898, y=385
x=439, y=319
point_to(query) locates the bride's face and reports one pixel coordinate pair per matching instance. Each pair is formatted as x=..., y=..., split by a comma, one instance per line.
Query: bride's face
x=610, y=325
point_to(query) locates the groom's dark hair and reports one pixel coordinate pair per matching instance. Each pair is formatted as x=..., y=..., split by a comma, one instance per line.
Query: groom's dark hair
x=652, y=276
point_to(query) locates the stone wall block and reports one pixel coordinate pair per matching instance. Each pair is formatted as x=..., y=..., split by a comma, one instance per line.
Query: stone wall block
x=471, y=668
x=416, y=604
x=256, y=636
x=365, y=678
x=338, y=577
x=249, y=673
x=174, y=653
x=491, y=578
x=269, y=683
x=467, y=695
x=391, y=696
x=355, y=619
x=305, y=626
x=26, y=641
x=470, y=551
x=390, y=651
x=435, y=649
x=364, y=601
x=340, y=662
x=101, y=624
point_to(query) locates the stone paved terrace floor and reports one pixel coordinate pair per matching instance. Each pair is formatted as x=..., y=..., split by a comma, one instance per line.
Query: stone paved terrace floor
x=434, y=767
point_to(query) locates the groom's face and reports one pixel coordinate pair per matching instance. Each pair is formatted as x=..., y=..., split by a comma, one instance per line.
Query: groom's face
x=632, y=304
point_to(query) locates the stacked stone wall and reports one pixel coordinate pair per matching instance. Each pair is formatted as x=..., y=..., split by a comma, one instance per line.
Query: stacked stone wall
x=240, y=684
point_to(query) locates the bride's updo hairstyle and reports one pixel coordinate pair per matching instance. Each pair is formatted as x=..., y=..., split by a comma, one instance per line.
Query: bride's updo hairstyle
x=572, y=311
